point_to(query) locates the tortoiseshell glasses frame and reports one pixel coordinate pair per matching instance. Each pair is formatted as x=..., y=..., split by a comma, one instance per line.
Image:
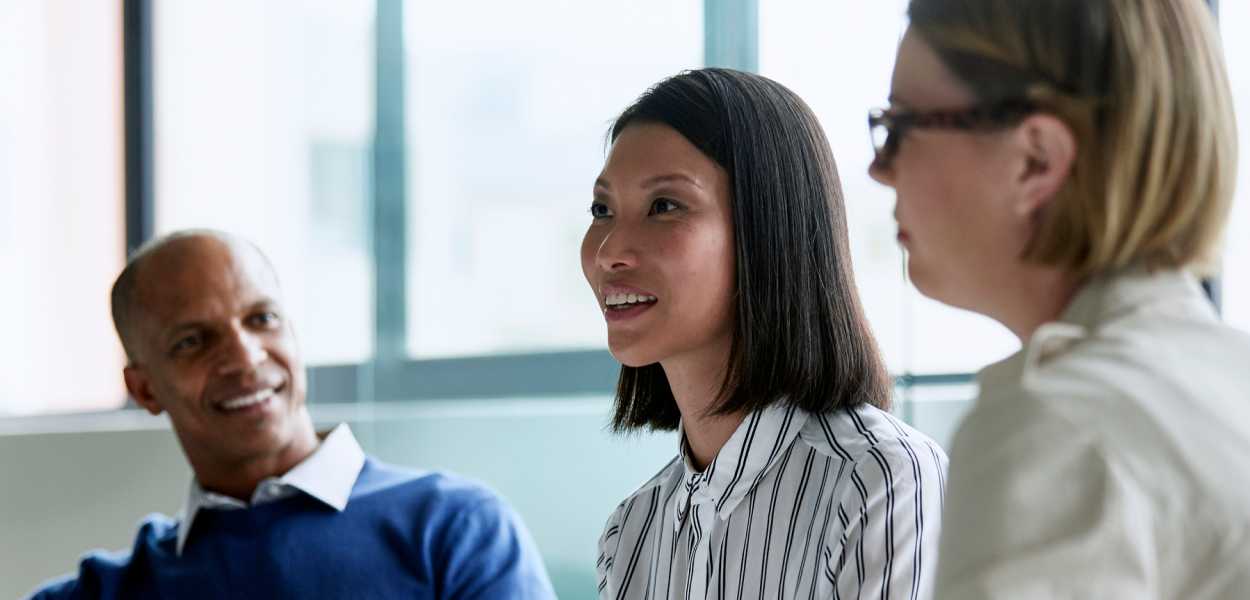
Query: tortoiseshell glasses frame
x=888, y=127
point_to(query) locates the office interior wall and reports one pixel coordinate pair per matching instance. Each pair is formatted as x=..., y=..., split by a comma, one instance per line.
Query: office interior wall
x=64, y=491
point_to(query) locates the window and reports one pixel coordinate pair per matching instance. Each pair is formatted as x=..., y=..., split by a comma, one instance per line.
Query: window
x=1236, y=279
x=61, y=205
x=508, y=104
x=263, y=125
x=264, y=118
x=838, y=56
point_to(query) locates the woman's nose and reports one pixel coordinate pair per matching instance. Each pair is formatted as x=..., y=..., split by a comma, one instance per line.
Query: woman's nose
x=882, y=174
x=618, y=249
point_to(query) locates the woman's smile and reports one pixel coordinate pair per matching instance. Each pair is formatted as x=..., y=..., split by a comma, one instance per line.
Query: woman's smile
x=622, y=302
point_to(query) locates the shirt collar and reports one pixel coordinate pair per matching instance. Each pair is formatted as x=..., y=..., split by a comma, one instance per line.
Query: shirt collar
x=328, y=474
x=1106, y=297
x=1101, y=300
x=758, y=443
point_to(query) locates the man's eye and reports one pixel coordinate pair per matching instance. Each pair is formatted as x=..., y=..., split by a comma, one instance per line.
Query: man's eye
x=600, y=210
x=663, y=205
x=191, y=341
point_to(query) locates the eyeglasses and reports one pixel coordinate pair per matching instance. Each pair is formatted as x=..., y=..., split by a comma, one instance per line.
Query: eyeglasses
x=888, y=128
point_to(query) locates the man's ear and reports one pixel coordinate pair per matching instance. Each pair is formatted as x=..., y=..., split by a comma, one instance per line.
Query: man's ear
x=140, y=388
x=1049, y=149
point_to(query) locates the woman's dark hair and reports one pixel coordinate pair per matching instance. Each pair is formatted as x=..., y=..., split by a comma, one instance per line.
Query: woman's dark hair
x=800, y=336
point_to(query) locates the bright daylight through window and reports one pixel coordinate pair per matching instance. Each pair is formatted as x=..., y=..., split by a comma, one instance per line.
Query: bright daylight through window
x=264, y=126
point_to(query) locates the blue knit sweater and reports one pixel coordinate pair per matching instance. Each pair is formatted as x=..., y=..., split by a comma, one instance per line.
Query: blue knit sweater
x=403, y=534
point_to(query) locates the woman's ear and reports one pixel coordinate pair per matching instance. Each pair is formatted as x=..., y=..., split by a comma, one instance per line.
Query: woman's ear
x=1049, y=149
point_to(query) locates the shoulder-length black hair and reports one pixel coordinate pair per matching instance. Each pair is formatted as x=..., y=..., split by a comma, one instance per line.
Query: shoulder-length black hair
x=800, y=336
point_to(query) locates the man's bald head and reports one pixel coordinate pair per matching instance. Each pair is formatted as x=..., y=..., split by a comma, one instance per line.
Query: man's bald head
x=178, y=254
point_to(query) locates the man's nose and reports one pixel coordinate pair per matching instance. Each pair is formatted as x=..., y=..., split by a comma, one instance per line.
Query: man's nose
x=243, y=350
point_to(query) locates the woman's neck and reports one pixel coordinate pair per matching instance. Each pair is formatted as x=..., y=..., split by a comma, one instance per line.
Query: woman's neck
x=696, y=383
x=1031, y=296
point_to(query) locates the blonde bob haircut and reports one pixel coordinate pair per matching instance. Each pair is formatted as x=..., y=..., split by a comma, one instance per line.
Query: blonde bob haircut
x=1142, y=85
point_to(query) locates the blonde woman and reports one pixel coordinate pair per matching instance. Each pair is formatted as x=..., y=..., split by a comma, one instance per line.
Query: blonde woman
x=1066, y=167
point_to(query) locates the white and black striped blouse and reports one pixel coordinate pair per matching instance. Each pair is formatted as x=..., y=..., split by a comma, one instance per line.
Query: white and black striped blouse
x=796, y=505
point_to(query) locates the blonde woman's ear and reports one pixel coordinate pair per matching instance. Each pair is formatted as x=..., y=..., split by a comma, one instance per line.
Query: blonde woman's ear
x=1049, y=149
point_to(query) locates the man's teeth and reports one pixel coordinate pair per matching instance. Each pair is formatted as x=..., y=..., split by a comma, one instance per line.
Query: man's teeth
x=619, y=299
x=248, y=400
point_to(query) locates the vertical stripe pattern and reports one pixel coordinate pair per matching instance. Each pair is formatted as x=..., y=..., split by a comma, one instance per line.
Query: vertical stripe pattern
x=796, y=505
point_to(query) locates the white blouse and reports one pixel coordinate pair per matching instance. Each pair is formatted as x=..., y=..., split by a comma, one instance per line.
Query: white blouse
x=796, y=505
x=1110, y=458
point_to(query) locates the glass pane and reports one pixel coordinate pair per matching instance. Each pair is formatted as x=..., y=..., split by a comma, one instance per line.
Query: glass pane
x=1234, y=17
x=508, y=104
x=61, y=205
x=839, y=56
x=264, y=128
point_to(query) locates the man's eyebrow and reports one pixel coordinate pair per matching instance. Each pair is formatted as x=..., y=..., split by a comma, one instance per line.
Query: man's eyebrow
x=176, y=330
x=263, y=303
x=655, y=181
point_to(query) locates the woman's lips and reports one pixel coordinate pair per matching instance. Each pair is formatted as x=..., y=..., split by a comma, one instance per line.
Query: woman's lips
x=620, y=315
x=622, y=302
x=903, y=237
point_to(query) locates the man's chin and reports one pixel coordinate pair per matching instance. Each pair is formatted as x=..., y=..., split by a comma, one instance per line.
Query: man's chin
x=263, y=444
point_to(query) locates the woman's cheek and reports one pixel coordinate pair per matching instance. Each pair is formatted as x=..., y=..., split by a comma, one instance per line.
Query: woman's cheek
x=590, y=246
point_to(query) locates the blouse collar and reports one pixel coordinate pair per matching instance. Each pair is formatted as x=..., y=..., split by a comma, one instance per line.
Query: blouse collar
x=758, y=443
x=1101, y=301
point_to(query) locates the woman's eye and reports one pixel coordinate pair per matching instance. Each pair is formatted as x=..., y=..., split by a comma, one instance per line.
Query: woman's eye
x=663, y=205
x=266, y=319
x=600, y=210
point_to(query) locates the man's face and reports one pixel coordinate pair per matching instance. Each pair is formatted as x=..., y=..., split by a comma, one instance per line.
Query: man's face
x=212, y=347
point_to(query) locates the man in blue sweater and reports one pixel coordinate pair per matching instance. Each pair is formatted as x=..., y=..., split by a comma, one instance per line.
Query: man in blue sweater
x=275, y=510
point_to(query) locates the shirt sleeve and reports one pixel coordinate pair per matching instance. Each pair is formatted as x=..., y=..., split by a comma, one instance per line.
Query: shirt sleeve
x=1035, y=510
x=487, y=553
x=61, y=588
x=891, y=517
x=609, y=542
x=99, y=576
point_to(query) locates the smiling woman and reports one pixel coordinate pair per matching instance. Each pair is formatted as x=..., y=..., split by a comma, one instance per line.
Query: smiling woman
x=718, y=252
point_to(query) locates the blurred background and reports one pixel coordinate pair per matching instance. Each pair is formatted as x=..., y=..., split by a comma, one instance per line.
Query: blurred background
x=412, y=168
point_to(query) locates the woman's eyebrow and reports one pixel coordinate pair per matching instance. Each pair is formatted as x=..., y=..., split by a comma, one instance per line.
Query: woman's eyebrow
x=897, y=101
x=600, y=182
x=654, y=181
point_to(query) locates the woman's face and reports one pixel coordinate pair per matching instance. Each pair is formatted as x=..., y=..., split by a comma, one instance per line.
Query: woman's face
x=659, y=252
x=955, y=215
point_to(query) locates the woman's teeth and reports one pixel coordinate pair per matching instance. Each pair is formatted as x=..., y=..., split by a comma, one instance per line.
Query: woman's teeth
x=622, y=301
x=248, y=400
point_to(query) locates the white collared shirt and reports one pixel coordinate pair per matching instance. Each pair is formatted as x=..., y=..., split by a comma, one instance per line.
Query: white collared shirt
x=328, y=474
x=795, y=505
x=1110, y=458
